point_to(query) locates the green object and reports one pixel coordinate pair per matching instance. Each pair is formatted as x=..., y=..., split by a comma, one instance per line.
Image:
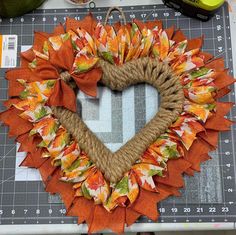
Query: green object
x=13, y=8
x=208, y=5
x=201, y=9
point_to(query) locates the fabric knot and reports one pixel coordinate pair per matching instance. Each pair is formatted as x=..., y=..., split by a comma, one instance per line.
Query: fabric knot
x=65, y=76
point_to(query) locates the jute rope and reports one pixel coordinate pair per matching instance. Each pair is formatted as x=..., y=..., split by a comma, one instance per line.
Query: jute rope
x=143, y=70
x=113, y=9
x=65, y=76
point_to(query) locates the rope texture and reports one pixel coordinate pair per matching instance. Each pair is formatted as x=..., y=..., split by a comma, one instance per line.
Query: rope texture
x=143, y=70
x=65, y=76
x=115, y=9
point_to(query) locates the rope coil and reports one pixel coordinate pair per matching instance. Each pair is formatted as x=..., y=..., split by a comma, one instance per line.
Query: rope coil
x=142, y=70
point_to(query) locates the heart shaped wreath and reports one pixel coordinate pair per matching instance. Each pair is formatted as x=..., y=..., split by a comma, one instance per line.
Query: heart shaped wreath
x=105, y=189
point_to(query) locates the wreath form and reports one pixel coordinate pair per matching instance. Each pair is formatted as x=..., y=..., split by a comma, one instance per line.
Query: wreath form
x=115, y=165
x=96, y=185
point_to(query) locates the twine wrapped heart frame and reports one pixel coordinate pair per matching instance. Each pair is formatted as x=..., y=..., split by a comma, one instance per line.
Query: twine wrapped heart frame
x=96, y=185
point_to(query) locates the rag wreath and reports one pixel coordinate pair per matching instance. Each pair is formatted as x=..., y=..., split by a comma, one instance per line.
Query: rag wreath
x=105, y=189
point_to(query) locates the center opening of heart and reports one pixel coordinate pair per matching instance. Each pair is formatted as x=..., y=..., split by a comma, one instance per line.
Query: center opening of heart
x=115, y=117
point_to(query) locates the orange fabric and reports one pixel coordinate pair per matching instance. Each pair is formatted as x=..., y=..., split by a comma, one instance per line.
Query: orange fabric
x=146, y=204
x=26, y=57
x=222, y=108
x=88, y=23
x=119, y=217
x=18, y=73
x=63, y=95
x=101, y=219
x=172, y=190
x=206, y=56
x=197, y=127
x=218, y=123
x=37, y=157
x=10, y=102
x=46, y=72
x=28, y=143
x=27, y=161
x=174, y=174
x=222, y=92
x=82, y=208
x=170, y=32
x=210, y=136
x=14, y=88
x=71, y=24
x=87, y=82
x=189, y=172
x=116, y=26
x=64, y=57
x=179, y=36
x=55, y=185
x=131, y=216
x=46, y=170
x=198, y=147
x=17, y=125
x=217, y=64
x=59, y=29
x=97, y=220
x=222, y=79
x=140, y=24
x=196, y=161
x=39, y=39
x=152, y=24
x=194, y=43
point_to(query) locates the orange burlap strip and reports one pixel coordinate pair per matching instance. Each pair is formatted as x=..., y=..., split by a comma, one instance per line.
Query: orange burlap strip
x=194, y=43
x=17, y=125
x=63, y=95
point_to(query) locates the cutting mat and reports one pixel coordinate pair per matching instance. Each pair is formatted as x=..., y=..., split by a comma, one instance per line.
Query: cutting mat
x=208, y=197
